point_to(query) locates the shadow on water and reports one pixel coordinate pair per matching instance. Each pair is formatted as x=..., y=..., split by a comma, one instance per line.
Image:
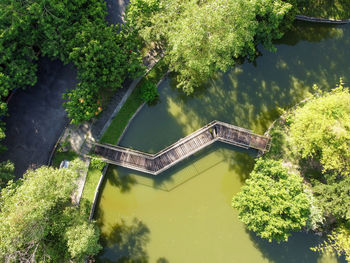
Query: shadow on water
x=120, y=178
x=146, y=137
x=296, y=250
x=247, y=96
x=240, y=161
x=304, y=31
x=126, y=242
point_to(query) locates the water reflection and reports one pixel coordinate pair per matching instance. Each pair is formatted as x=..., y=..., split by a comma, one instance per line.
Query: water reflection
x=312, y=33
x=126, y=242
x=296, y=250
x=249, y=95
x=240, y=161
x=188, y=208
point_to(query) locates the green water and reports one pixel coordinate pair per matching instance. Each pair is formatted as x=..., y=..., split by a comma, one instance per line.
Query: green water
x=185, y=214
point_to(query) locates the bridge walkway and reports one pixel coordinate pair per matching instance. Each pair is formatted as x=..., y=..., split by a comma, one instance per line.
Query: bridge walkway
x=183, y=148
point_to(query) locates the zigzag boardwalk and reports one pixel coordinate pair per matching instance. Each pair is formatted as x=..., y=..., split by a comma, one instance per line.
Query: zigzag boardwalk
x=183, y=148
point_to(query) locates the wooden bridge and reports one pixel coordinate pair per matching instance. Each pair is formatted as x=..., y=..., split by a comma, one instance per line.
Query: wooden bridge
x=183, y=148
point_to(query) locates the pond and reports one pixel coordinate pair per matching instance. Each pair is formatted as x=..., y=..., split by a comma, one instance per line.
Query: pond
x=185, y=214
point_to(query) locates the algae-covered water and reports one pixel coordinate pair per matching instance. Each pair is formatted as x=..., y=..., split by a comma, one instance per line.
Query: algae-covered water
x=185, y=214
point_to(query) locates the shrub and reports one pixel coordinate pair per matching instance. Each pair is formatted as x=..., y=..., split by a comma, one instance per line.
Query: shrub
x=149, y=92
x=321, y=130
x=97, y=164
x=272, y=203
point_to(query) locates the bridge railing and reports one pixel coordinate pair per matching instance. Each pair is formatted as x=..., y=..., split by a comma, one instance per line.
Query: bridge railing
x=232, y=134
x=187, y=138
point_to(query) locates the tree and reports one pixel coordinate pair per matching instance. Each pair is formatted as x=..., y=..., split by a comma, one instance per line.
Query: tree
x=73, y=31
x=6, y=173
x=100, y=56
x=321, y=130
x=338, y=242
x=272, y=203
x=104, y=59
x=149, y=92
x=82, y=104
x=334, y=197
x=201, y=37
x=39, y=222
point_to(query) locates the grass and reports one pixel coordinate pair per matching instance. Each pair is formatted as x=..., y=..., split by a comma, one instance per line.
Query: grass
x=134, y=101
x=337, y=9
x=58, y=157
x=92, y=179
x=116, y=129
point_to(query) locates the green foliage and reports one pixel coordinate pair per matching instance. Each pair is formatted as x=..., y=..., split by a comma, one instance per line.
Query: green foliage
x=272, y=203
x=31, y=28
x=201, y=37
x=100, y=56
x=82, y=104
x=316, y=217
x=278, y=147
x=321, y=130
x=335, y=197
x=71, y=31
x=338, y=242
x=104, y=58
x=337, y=9
x=61, y=156
x=82, y=240
x=63, y=147
x=149, y=92
x=92, y=178
x=134, y=101
x=6, y=173
x=39, y=222
x=97, y=164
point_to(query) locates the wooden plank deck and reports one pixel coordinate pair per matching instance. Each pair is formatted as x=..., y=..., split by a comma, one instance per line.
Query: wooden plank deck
x=183, y=148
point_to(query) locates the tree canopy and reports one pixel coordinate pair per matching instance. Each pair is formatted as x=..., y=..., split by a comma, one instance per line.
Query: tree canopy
x=321, y=129
x=39, y=222
x=201, y=37
x=334, y=197
x=272, y=203
x=337, y=242
x=315, y=140
x=73, y=31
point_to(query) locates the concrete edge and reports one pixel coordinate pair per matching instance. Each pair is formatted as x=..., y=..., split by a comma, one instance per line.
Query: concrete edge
x=81, y=186
x=321, y=20
x=119, y=106
x=138, y=110
x=97, y=191
x=125, y=97
x=129, y=122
